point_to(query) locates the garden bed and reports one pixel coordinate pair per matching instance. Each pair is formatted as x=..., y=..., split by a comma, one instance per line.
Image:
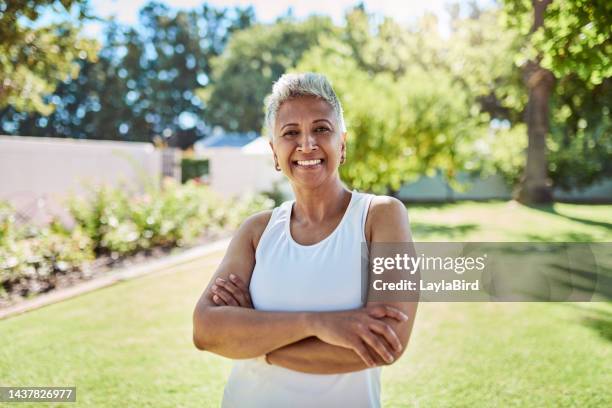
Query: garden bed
x=110, y=230
x=26, y=288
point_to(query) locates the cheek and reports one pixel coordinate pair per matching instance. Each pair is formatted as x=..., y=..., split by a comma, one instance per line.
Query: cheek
x=283, y=153
x=335, y=149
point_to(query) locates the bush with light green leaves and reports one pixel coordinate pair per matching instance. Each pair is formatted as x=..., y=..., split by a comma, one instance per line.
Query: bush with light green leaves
x=111, y=222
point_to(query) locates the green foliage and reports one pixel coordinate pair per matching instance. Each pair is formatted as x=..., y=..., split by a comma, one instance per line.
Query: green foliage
x=580, y=142
x=193, y=168
x=574, y=43
x=402, y=122
x=276, y=194
x=481, y=56
x=111, y=222
x=559, y=354
x=255, y=57
x=7, y=224
x=175, y=215
x=240, y=208
x=100, y=214
x=142, y=86
x=574, y=39
x=36, y=254
x=434, y=96
x=35, y=58
x=501, y=151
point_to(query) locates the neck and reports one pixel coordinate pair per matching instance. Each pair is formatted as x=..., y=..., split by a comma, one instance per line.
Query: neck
x=327, y=200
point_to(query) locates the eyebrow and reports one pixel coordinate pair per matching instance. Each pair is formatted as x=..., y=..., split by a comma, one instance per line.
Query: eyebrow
x=323, y=120
x=314, y=121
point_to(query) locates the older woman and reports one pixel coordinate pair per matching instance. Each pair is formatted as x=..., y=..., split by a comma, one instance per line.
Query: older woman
x=287, y=300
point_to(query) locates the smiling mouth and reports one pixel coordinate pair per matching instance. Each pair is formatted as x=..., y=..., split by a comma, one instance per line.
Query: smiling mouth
x=308, y=164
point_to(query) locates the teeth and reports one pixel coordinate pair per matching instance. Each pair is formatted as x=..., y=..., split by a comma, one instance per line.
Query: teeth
x=309, y=162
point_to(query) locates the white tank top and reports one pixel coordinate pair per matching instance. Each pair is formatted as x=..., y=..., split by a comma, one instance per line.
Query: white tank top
x=289, y=276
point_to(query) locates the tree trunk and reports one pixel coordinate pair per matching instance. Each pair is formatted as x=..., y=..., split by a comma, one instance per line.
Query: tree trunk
x=535, y=186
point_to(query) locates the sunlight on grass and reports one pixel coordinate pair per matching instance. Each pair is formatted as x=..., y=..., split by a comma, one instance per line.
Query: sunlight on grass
x=510, y=221
x=503, y=354
x=126, y=345
x=130, y=344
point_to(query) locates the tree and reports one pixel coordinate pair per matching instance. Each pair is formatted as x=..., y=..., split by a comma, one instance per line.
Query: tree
x=406, y=114
x=34, y=58
x=142, y=85
x=579, y=144
x=255, y=57
x=483, y=52
x=180, y=48
x=480, y=57
x=562, y=38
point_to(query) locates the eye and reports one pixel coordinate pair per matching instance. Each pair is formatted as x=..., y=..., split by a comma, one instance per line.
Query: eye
x=322, y=129
x=290, y=133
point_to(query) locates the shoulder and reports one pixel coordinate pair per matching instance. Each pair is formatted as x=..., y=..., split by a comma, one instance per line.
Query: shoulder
x=257, y=221
x=386, y=206
x=253, y=227
x=240, y=255
x=387, y=219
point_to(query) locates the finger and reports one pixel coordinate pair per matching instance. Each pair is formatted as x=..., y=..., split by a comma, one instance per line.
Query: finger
x=242, y=298
x=388, y=333
x=218, y=301
x=236, y=292
x=374, y=341
x=226, y=296
x=238, y=282
x=389, y=311
x=362, y=351
x=377, y=311
x=242, y=286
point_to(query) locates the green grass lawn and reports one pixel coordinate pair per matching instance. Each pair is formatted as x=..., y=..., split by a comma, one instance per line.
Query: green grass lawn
x=509, y=221
x=130, y=344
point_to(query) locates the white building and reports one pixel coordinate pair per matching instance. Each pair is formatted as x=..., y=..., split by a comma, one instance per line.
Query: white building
x=240, y=164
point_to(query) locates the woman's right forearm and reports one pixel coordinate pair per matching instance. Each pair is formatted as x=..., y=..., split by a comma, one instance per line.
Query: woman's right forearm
x=238, y=333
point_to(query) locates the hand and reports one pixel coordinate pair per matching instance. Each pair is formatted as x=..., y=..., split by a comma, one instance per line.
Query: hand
x=232, y=292
x=354, y=329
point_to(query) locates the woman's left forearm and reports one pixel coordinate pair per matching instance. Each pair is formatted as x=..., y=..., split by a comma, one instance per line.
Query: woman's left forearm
x=314, y=356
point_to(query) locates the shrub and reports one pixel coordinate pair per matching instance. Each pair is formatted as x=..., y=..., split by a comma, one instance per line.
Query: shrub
x=42, y=254
x=174, y=215
x=101, y=214
x=111, y=222
x=193, y=169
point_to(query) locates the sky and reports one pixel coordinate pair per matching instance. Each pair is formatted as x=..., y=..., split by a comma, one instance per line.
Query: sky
x=403, y=11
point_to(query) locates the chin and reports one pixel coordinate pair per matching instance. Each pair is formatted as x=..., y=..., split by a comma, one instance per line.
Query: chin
x=311, y=180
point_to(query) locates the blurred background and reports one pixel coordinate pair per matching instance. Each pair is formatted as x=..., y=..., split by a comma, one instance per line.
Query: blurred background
x=131, y=131
x=440, y=97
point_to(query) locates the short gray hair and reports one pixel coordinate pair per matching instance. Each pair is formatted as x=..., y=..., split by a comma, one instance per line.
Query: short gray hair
x=291, y=86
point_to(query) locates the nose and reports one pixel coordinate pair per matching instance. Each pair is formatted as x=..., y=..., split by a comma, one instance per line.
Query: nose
x=307, y=143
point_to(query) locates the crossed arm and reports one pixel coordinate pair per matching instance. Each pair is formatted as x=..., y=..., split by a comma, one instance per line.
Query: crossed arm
x=313, y=342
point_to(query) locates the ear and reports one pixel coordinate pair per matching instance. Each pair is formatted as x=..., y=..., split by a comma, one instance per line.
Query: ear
x=343, y=142
x=273, y=153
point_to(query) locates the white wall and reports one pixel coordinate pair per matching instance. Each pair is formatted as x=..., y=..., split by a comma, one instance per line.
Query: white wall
x=55, y=167
x=436, y=189
x=233, y=172
x=493, y=187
